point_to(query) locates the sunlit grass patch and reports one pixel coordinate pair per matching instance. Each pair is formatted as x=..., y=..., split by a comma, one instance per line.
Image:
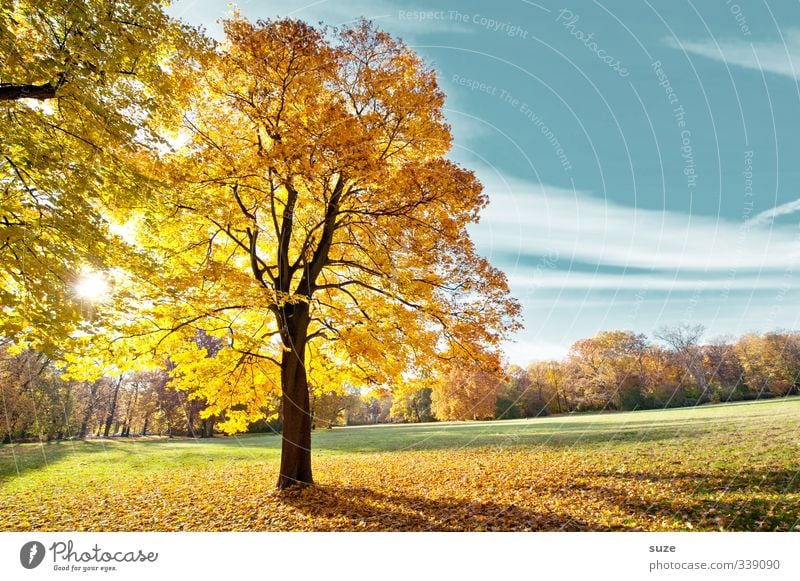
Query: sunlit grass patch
x=731, y=467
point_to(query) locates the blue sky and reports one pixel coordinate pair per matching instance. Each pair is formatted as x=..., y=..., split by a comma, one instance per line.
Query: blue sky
x=642, y=158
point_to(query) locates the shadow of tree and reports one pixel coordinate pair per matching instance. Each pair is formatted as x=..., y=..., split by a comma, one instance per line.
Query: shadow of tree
x=365, y=509
x=703, y=501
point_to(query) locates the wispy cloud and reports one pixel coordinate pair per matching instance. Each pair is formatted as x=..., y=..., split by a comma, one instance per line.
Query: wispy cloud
x=781, y=57
x=525, y=219
x=525, y=351
x=767, y=216
x=657, y=281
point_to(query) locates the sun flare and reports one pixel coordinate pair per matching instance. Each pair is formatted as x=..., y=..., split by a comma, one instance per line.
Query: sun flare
x=92, y=286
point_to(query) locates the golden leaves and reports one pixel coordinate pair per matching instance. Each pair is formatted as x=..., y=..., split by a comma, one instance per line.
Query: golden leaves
x=314, y=209
x=473, y=489
x=71, y=160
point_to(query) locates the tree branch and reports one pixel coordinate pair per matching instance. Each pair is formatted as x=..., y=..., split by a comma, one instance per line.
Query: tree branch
x=320, y=258
x=12, y=92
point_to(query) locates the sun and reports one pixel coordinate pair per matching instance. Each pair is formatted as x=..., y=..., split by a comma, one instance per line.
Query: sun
x=92, y=286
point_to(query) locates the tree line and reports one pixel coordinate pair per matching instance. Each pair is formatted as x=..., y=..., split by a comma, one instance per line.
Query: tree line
x=616, y=370
x=40, y=404
x=613, y=371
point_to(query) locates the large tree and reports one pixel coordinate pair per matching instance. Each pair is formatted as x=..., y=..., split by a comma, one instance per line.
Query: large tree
x=319, y=228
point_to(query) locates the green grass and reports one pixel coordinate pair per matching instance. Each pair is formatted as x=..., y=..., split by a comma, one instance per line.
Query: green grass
x=748, y=450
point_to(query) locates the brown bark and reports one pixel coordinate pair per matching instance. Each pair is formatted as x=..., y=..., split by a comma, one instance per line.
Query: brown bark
x=112, y=409
x=144, y=426
x=87, y=415
x=296, y=434
x=126, y=425
x=207, y=428
x=12, y=92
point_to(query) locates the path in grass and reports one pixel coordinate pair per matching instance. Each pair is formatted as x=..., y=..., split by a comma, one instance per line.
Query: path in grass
x=726, y=467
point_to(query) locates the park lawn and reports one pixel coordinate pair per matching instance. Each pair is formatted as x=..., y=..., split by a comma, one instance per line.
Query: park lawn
x=721, y=467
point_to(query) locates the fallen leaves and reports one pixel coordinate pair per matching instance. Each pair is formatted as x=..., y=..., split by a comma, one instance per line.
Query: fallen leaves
x=517, y=489
x=731, y=468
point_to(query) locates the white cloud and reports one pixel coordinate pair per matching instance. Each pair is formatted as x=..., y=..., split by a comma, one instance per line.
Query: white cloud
x=779, y=57
x=681, y=265
x=767, y=216
x=524, y=352
x=526, y=220
x=647, y=282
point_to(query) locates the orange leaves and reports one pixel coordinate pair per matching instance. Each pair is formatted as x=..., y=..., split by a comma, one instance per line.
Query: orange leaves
x=465, y=394
x=450, y=490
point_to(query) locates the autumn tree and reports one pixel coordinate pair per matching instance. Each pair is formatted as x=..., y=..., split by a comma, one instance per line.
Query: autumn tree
x=770, y=363
x=684, y=341
x=665, y=378
x=34, y=401
x=318, y=228
x=465, y=393
x=374, y=407
x=82, y=84
x=725, y=371
x=605, y=367
x=554, y=374
x=526, y=392
x=411, y=400
x=328, y=407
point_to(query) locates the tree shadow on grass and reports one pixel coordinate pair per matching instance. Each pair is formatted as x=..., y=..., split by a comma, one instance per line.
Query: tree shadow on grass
x=364, y=509
x=746, y=500
x=16, y=459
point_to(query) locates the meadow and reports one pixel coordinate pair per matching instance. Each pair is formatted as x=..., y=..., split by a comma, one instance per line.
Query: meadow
x=729, y=467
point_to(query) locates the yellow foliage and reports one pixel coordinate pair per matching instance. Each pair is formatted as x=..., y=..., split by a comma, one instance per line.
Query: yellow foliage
x=312, y=216
x=78, y=117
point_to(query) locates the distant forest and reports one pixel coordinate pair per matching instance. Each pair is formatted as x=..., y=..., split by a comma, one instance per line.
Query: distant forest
x=616, y=370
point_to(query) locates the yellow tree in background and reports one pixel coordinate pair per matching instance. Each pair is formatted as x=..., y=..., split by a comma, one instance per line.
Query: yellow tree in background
x=466, y=393
x=317, y=227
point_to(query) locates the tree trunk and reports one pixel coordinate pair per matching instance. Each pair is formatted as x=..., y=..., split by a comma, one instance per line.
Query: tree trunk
x=126, y=425
x=296, y=435
x=89, y=410
x=112, y=410
x=189, y=412
x=144, y=426
x=207, y=428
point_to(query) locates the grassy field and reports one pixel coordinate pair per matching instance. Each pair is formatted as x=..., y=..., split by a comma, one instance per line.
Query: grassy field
x=723, y=467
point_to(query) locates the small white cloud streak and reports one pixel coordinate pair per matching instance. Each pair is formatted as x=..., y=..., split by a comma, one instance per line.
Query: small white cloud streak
x=524, y=352
x=767, y=216
x=782, y=58
x=654, y=282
